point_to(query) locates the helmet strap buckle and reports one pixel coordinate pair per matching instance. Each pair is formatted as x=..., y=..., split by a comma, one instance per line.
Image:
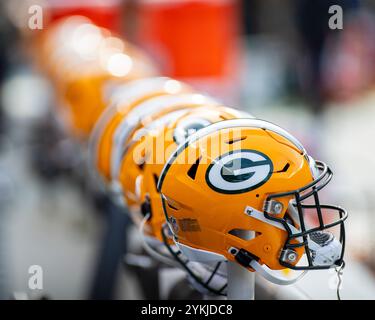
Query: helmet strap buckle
x=242, y=256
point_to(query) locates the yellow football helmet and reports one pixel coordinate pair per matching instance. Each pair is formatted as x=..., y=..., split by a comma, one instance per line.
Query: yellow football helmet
x=121, y=101
x=246, y=190
x=89, y=58
x=56, y=44
x=84, y=90
x=158, y=143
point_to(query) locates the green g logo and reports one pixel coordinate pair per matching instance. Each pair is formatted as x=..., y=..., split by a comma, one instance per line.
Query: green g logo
x=239, y=171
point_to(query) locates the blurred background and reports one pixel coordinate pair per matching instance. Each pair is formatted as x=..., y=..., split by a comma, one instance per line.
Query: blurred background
x=278, y=60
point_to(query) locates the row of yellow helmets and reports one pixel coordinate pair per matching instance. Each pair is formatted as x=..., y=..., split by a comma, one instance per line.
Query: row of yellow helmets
x=139, y=127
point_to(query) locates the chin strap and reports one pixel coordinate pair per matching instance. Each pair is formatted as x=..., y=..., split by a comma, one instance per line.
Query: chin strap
x=247, y=260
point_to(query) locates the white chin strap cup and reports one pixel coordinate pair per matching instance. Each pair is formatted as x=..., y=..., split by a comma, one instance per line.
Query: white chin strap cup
x=268, y=274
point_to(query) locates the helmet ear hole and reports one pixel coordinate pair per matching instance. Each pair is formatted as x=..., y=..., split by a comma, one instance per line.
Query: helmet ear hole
x=244, y=234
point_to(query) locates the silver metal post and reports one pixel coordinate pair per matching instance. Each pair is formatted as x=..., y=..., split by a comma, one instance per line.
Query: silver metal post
x=241, y=282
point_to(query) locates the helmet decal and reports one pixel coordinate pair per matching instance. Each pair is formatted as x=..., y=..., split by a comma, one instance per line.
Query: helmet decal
x=239, y=171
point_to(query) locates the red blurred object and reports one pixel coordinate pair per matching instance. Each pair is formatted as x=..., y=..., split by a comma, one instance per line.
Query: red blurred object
x=103, y=13
x=190, y=38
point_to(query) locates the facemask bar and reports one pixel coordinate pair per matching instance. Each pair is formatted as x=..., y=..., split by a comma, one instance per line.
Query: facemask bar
x=309, y=191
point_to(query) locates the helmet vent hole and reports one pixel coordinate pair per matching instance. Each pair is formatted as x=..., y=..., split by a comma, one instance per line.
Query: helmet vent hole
x=141, y=165
x=192, y=172
x=172, y=207
x=156, y=179
x=231, y=141
x=285, y=169
x=244, y=234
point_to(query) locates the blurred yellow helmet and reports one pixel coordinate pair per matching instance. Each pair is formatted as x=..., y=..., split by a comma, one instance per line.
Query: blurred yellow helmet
x=82, y=58
x=122, y=100
x=83, y=89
